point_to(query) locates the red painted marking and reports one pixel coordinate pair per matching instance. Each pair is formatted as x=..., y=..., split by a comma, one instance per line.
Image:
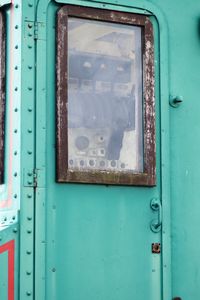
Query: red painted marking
x=10, y=247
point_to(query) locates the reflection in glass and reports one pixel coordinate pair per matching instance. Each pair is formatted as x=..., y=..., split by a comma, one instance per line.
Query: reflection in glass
x=104, y=96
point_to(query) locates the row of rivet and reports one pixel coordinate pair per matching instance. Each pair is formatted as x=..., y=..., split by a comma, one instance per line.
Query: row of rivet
x=29, y=152
x=16, y=89
x=28, y=293
x=5, y=221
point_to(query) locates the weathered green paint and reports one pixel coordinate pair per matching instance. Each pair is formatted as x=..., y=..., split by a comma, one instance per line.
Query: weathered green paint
x=94, y=242
x=75, y=214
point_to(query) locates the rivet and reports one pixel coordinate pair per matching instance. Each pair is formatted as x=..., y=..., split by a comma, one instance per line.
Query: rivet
x=15, y=174
x=30, y=34
x=15, y=131
x=30, y=25
x=175, y=101
x=16, y=26
x=16, y=67
x=5, y=219
x=13, y=217
x=30, y=182
x=28, y=293
x=15, y=152
x=29, y=231
x=29, y=130
x=29, y=174
x=28, y=252
x=30, y=67
x=30, y=47
x=17, y=5
x=29, y=196
x=16, y=109
x=16, y=47
x=28, y=272
x=30, y=109
x=53, y=270
x=29, y=152
x=29, y=218
x=16, y=88
x=15, y=230
x=30, y=88
x=15, y=196
x=30, y=5
x=0, y=238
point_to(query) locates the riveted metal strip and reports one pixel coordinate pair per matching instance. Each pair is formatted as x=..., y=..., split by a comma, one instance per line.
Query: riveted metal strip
x=28, y=140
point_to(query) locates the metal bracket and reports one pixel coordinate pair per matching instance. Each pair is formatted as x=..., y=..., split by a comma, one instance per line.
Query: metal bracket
x=156, y=224
x=34, y=30
x=30, y=178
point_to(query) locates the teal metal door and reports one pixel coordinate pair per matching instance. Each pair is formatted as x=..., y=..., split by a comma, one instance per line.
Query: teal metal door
x=93, y=241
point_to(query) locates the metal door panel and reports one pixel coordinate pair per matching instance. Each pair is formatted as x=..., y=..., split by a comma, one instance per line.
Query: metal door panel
x=98, y=238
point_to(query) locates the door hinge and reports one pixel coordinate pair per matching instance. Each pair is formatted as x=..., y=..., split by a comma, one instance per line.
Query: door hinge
x=35, y=30
x=39, y=31
x=30, y=177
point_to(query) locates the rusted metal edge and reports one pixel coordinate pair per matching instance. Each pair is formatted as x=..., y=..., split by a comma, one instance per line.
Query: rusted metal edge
x=149, y=101
x=2, y=95
x=108, y=177
x=63, y=174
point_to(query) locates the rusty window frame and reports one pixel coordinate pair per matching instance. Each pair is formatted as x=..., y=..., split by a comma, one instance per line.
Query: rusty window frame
x=63, y=174
x=2, y=94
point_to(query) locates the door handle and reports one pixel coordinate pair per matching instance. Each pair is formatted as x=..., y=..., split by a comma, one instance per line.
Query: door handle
x=156, y=206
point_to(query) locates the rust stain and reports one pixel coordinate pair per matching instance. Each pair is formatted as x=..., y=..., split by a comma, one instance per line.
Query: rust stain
x=155, y=247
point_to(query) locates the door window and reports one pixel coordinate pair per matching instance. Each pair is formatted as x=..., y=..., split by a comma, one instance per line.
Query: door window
x=105, y=98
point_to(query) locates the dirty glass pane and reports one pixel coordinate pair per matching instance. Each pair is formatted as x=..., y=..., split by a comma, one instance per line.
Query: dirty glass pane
x=104, y=96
